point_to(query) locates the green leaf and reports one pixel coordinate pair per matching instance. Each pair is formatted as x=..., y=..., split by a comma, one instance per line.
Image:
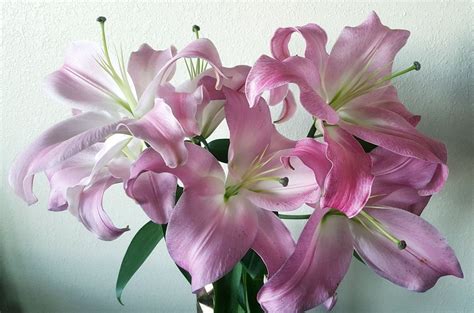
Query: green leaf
x=219, y=149
x=241, y=297
x=357, y=256
x=138, y=251
x=253, y=264
x=367, y=146
x=179, y=192
x=226, y=291
x=253, y=286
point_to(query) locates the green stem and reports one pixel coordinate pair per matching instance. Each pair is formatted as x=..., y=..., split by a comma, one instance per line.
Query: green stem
x=311, y=131
x=226, y=291
x=294, y=217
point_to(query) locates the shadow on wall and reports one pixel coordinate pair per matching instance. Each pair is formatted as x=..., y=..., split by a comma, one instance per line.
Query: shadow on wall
x=9, y=302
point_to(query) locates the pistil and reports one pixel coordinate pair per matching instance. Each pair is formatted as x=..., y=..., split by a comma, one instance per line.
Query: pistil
x=120, y=80
x=200, y=67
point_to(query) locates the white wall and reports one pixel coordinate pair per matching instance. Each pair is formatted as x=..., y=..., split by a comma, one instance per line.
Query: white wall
x=50, y=263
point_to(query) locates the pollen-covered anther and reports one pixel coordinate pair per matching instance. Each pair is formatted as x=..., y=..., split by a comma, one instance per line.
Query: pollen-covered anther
x=101, y=19
x=284, y=181
x=196, y=28
x=402, y=244
x=417, y=65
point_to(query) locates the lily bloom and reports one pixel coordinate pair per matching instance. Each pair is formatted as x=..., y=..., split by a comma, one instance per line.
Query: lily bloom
x=349, y=93
x=118, y=110
x=393, y=241
x=219, y=218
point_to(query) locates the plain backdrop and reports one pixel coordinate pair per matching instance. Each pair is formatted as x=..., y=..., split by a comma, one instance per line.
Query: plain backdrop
x=51, y=263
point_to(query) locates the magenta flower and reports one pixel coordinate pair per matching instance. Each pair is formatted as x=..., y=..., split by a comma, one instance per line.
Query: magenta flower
x=393, y=241
x=348, y=92
x=218, y=218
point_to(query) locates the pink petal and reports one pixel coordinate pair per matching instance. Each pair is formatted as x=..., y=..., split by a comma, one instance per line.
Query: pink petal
x=200, y=164
x=314, y=36
x=393, y=169
x=82, y=82
x=58, y=143
x=268, y=74
x=273, y=242
x=313, y=155
x=347, y=186
x=288, y=110
x=92, y=214
x=396, y=196
x=391, y=131
x=211, y=114
x=385, y=98
x=69, y=174
x=277, y=95
x=185, y=106
x=246, y=144
x=201, y=48
x=330, y=302
x=162, y=131
x=156, y=195
x=426, y=258
x=206, y=236
x=145, y=63
x=364, y=49
x=313, y=272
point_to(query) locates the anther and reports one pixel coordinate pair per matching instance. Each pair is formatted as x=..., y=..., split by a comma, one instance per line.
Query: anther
x=196, y=28
x=402, y=244
x=101, y=19
x=284, y=181
x=417, y=65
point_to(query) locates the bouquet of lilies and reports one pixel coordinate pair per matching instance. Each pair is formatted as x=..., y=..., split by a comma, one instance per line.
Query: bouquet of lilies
x=364, y=169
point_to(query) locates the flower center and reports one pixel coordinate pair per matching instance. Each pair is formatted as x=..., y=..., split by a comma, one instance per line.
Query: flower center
x=365, y=82
x=256, y=173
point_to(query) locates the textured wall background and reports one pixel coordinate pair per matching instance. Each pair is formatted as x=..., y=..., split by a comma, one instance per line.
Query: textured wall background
x=51, y=263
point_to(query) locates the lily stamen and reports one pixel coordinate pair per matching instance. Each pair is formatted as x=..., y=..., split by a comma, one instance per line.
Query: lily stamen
x=401, y=244
x=201, y=66
x=361, y=85
x=415, y=67
x=121, y=80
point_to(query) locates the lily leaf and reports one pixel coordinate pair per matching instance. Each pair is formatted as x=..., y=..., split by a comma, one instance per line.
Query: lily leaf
x=253, y=286
x=138, y=251
x=219, y=149
x=367, y=146
x=253, y=264
x=357, y=256
x=226, y=291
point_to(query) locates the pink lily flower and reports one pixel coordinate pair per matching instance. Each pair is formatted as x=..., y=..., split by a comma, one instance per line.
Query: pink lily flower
x=348, y=92
x=219, y=218
x=78, y=185
x=123, y=109
x=387, y=234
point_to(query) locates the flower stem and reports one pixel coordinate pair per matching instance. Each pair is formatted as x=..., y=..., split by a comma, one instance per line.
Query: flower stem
x=311, y=131
x=294, y=217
